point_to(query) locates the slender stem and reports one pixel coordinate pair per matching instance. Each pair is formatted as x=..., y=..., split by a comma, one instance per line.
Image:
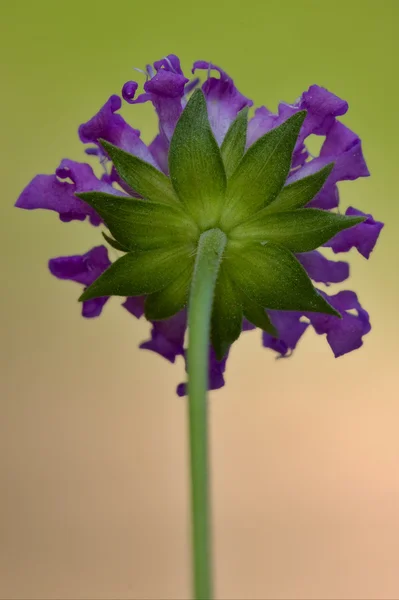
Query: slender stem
x=209, y=253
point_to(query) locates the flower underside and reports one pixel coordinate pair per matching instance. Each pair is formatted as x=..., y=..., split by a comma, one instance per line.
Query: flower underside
x=253, y=182
x=240, y=193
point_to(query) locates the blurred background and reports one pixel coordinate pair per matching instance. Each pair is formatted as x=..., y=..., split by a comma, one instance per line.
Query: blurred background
x=93, y=444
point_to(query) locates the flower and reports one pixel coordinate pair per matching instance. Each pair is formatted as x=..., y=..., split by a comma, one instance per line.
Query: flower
x=210, y=167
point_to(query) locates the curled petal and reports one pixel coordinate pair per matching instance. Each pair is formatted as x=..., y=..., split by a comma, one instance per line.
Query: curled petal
x=83, y=269
x=343, y=335
x=363, y=236
x=216, y=369
x=167, y=337
x=129, y=91
x=290, y=329
x=223, y=99
x=165, y=89
x=322, y=270
x=110, y=126
x=48, y=192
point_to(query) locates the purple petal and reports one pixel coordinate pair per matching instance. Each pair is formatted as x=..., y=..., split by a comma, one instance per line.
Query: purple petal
x=129, y=91
x=320, y=269
x=167, y=337
x=169, y=63
x=166, y=91
x=216, y=369
x=342, y=147
x=262, y=122
x=108, y=125
x=290, y=329
x=362, y=236
x=83, y=269
x=48, y=192
x=135, y=305
x=159, y=148
x=223, y=99
x=343, y=335
x=93, y=308
x=322, y=108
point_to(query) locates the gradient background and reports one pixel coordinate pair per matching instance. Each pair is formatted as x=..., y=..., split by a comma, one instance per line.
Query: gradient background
x=93, y=447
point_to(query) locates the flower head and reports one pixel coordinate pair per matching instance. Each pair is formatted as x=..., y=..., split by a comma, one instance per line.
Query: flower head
x=209, y=168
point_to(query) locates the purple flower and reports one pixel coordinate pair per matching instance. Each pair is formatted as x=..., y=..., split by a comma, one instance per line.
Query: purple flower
x=84, y=269
x=110, y=126
x=290, y=328
x=223, y=99
x=322, y=270
x=363, y=236
x=216, y=369
x=52, y=192
x=167, y=337
x=168, y=89
x=343, y=335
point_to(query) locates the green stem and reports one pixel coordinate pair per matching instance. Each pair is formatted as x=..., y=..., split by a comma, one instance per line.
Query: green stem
x=209, y=254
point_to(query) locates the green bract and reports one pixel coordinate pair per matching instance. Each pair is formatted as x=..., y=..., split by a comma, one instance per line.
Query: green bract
x=242, y=194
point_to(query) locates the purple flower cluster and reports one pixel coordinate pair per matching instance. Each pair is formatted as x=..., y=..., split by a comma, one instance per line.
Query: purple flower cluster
x=167, y=89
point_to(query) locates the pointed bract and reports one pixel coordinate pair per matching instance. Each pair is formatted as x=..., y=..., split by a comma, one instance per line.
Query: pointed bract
x=196, y=164
x=298, y=230
x=226, y=314
x=139, y=273
x=170, y=300
x=136, y=223
x=271, y=276
x=261, y=173
x=142, y=177
x=233, y=146
x=298, y=194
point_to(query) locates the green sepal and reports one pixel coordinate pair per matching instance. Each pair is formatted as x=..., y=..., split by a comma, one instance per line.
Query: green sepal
x=196, y=164
x=257, y=315
x=114, y=243
x=142, y=177
x=261, y=173
x=271, y=276
x=226, y=321
x=233, y=146
x=143, y=224
x=170, y=300
x=299, y=230
x=141, y=272
x=300, y=192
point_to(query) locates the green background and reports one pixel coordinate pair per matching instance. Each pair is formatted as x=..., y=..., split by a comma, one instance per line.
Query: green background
x=93, y=456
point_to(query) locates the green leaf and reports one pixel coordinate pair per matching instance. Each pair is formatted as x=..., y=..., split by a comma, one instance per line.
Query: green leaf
x=226, y=314
x=139, y=273
x=257, y=315
x=261, y=173
x=143, y=224
x=196, y=165
x=298, y=230
x=272, y=277
x=114, y=243
x=298, y=194
x=142, y=177
x=233, y=146
x=167, y=302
